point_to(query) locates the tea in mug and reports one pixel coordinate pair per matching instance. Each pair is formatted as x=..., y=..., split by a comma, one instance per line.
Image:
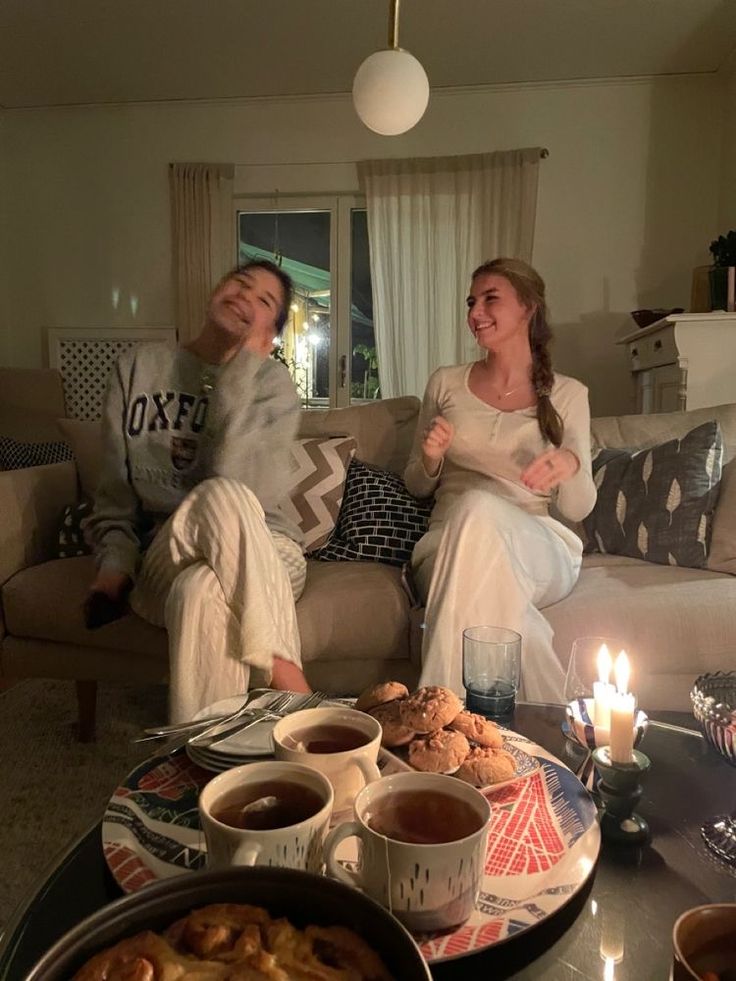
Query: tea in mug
x=423, y=817
x=267, y=805
x=327, y=738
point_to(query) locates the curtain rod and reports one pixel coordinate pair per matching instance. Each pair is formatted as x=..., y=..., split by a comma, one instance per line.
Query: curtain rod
x=543, y=153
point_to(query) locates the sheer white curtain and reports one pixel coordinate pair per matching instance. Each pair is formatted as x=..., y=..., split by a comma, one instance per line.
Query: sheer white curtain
x=202, y=237
x=431, y=221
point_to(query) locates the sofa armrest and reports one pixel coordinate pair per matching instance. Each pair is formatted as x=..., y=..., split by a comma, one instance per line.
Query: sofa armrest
x=31, y=502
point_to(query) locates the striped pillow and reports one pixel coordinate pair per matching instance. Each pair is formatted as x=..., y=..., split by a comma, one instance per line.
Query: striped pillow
x=319, y=467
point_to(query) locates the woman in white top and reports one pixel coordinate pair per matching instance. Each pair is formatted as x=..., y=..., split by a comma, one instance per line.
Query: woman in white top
x=499, y=442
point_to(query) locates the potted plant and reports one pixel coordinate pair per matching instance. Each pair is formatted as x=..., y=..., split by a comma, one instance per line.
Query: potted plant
x=723, y=250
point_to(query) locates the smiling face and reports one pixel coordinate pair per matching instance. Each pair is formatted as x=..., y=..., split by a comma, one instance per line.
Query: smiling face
x=496, y=315
x=248, y=304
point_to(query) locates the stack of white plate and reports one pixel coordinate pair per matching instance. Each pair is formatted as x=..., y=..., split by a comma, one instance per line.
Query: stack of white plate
x=247, y=746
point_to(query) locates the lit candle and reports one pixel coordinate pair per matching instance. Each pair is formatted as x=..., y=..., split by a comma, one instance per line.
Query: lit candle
x=602, y=691
x=622, y=713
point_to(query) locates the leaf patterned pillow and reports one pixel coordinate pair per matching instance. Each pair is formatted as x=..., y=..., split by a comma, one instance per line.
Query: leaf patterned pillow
x=657, y=503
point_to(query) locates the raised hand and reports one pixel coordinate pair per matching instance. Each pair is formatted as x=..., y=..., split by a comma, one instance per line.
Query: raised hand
x=549, y=470
x=436, y=441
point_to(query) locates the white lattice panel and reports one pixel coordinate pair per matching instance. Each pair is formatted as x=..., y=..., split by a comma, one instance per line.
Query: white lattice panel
x=85, y=356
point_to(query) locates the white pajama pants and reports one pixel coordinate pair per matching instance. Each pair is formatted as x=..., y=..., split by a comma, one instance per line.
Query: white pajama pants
x=224, y=587
x=489, y=562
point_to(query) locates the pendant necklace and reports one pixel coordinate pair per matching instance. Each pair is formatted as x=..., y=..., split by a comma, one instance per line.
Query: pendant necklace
x=505, y=395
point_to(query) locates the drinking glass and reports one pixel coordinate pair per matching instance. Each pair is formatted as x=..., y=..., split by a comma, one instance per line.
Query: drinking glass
x=582, y=668
x=491, y=670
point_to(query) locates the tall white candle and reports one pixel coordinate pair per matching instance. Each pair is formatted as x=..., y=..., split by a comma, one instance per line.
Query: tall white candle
x=623, y=706
x=603, y=691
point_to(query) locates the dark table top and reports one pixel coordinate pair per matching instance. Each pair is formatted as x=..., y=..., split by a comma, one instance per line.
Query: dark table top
x=624, y=913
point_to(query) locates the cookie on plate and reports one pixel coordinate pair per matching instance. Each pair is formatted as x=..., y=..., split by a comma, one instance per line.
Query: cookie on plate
x=386, y=691
x=440, y=752
x=430, y=708
x=477, y=729
x=485, y=765
x=395, y=733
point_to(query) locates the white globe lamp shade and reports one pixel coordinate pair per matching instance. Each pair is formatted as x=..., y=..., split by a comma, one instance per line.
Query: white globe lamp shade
x=390, y=91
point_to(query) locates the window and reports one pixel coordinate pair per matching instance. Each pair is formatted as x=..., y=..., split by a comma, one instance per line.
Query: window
x=328, y=342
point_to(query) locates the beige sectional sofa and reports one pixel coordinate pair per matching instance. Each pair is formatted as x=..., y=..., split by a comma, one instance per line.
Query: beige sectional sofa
x=355, y=618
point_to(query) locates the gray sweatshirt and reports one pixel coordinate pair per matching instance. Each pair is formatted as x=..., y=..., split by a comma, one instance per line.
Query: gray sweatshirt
x=170, y=421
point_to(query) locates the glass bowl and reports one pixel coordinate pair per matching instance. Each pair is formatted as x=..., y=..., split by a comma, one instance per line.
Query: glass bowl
x=714, y=706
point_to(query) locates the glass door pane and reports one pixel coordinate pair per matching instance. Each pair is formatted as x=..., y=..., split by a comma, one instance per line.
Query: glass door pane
x=299, y=242
x=365, y=384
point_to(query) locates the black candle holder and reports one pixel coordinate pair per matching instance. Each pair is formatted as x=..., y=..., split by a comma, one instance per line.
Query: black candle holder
x=620, y=790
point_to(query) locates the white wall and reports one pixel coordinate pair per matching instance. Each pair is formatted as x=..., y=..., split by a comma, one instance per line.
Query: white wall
x=628, y=198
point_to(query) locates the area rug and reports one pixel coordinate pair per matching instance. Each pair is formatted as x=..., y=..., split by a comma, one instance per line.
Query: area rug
x=53, y=788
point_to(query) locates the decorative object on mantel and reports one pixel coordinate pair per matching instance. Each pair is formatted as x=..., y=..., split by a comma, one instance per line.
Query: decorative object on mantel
x=644, y=318
x=391, y=89
x=723, y=272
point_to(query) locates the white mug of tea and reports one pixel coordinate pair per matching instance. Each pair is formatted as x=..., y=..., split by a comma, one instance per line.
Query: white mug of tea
x=339, y=742
x=424, y=838
x=266, y=814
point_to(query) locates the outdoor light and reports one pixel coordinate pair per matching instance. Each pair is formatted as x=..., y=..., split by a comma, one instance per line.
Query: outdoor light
x=391, y=89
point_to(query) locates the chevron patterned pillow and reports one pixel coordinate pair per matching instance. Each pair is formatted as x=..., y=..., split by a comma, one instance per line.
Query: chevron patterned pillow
x=318, y=468
x=657, y=503
x=380, y=521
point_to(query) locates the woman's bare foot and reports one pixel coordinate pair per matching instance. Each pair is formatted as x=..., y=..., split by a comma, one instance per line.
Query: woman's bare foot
x=287, y=676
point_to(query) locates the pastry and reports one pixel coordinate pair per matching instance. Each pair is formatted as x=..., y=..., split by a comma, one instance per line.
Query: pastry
x=386, y=691
x=477, y=729
x=232, y=942
x=429, y=709
x=440, y=752
x=395, y=733
x=484, y=766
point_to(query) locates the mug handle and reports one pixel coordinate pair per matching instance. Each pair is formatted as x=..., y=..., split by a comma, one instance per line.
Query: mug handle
x=369, y=769
x=348, y=830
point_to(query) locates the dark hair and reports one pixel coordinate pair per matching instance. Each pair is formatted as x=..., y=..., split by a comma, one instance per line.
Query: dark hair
x=284, y=278
x=529, y=287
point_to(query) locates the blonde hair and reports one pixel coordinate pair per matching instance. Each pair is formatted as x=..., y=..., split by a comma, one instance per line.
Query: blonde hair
x=530, y=289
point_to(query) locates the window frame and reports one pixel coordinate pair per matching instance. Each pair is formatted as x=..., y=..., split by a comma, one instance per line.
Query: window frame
x=340, y=206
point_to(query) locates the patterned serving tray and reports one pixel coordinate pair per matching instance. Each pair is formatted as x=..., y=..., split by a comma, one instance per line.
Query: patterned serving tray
x=543, y=843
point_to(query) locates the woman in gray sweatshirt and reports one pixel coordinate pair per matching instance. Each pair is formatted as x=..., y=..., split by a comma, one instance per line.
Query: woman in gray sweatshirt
x=186, y=522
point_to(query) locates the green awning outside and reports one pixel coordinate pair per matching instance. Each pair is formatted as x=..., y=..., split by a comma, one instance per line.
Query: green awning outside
x=308, y=280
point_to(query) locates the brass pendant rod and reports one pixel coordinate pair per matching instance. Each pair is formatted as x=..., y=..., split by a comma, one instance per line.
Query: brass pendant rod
x=393, y=24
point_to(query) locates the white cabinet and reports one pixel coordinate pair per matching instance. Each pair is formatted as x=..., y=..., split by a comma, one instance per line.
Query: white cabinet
x=684, y=361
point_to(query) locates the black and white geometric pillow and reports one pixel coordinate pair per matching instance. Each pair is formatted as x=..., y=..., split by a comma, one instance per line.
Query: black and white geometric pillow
x=15, y=455
x=379, y=519
x=71, y=539
x=657, y=504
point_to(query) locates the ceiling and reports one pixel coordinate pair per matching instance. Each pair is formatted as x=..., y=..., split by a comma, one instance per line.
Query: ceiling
x=66, y=52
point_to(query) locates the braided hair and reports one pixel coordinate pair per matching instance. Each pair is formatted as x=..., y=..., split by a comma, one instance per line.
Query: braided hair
x=529, y=287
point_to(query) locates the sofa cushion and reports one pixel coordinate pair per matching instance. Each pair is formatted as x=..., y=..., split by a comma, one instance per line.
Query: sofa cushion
x=353, y=610
x=318, y=468
x=379, y=521
x=657, y=504
x=674, y=622
x=643, y=431
x=384, y=429
x=15, y=454
x=85, y=439
x=349, y=610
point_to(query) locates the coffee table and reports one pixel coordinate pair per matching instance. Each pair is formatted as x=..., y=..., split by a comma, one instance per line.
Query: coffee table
x=624, y=913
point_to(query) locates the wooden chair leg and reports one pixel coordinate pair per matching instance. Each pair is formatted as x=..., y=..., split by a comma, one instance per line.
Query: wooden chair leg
x=86, y=710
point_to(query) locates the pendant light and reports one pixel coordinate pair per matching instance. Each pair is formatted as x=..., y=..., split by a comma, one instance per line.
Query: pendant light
x=391, y=89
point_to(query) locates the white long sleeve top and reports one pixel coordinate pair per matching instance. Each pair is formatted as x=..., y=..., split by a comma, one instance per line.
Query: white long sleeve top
x=491, y=447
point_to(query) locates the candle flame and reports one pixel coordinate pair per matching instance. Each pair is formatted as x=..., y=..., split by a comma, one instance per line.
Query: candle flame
x=622, y=671
x=604, y=664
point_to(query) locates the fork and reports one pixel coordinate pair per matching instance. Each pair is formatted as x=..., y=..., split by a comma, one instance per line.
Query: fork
x=163, y=732
x=276, y=710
